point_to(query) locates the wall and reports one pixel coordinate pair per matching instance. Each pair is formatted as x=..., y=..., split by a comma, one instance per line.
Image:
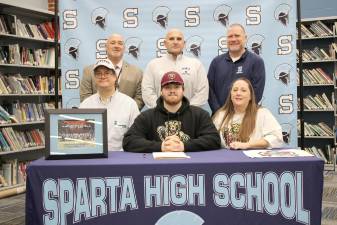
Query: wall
x=310, y=8
x=33, y=4
x=318, y=8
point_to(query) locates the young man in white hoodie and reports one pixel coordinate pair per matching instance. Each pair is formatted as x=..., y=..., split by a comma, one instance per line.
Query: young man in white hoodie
x=191, y=70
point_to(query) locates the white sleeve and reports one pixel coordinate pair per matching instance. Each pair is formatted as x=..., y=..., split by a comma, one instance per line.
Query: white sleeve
x=84, y=104
x=134, y=112
x=271, y=130
x=148, y=88
x=200, y=92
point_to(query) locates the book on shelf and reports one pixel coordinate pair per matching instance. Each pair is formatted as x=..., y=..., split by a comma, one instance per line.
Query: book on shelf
x=18, y=112
x=306, y=33
x=333, y=50
x=316, y=54
x=335, y=28
x=17, y=84
x=15, y=54
x=7, y=24
x=18, y=140
x=10, y=24
x=317, y=152
x=320, y=29
x=317, y=102
x=325, y=154
x=320, y=129
x=315, y=76
x=13, y=172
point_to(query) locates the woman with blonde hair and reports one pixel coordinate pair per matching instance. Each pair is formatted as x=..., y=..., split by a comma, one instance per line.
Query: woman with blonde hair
x=243, y=124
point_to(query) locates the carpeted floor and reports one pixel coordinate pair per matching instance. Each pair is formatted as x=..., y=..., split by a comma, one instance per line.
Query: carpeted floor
x=329, y=207
x=12, y=209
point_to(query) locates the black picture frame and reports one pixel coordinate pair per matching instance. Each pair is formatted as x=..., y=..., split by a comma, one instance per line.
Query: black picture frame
x=76, y=133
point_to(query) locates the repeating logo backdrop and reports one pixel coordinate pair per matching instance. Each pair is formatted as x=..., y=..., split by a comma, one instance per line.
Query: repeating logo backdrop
x=270, y=27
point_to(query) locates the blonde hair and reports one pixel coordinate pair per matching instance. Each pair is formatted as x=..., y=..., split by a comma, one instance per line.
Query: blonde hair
x=248, y=122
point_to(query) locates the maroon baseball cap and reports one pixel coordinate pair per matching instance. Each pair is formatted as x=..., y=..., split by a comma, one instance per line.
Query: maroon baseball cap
x=171, y=77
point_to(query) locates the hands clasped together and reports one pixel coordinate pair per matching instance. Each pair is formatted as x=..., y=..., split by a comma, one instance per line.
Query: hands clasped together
x=172, y=144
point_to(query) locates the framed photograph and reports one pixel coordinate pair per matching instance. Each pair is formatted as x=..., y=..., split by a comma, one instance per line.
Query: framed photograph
x=76, y=133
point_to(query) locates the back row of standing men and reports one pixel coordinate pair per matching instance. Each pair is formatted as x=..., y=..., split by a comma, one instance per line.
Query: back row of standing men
x=224, y=69
x=149, y=89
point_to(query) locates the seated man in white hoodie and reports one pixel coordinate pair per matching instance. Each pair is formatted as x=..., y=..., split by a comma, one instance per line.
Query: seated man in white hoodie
x=121, y=109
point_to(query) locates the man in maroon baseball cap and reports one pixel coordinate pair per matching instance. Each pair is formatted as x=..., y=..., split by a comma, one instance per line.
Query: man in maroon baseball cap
x=171, y=77
x=173, y=125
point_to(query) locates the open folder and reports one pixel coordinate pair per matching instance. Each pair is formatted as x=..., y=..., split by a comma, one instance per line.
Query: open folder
x=170, y=155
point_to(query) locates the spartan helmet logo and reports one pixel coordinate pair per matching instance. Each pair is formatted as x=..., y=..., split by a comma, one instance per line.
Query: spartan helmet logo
x=133, y=46
x=282, y=73
x=255, y=43
x=286, y=132
x=98, y=17
x=71, y=47
x=221, y=14
x=160, y=16
x=281, y=13
x=193, y=45
x=180, y=217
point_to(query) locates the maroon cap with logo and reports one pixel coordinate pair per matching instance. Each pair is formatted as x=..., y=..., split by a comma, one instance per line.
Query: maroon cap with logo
x=171, y=77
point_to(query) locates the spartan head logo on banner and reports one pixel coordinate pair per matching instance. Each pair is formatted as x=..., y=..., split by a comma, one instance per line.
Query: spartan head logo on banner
x=221, y=14
x=255, y=43
x=283, y=73
x=99, y=17
x=71, y=47
x=282, y=13
x=193, y=45
x=160, y=16
x=132, y=46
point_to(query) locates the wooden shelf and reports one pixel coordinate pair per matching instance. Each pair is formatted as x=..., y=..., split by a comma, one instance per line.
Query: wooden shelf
x=316, y=85
x=12, y=186
x=21, y=124
x=27, y=66
x=13, y=36
x=315, y=38
x=22, y=95
x=318, y=137
x=23, y=150
x=317, y=110
x=26, y=11
x=320, y=61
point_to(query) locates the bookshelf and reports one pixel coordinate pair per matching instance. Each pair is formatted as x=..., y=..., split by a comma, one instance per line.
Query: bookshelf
x=319, y=66
x=29, y=84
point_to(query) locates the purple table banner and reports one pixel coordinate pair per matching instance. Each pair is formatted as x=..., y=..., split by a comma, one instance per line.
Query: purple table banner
x=210, y=188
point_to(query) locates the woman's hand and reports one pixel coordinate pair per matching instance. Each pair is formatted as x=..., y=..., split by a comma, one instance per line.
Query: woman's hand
x=239, y=145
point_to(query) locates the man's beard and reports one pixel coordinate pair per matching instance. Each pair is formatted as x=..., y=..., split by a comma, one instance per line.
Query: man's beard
x=172, y=102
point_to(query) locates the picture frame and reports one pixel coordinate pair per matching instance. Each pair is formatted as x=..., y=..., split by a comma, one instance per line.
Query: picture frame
x=76, y=133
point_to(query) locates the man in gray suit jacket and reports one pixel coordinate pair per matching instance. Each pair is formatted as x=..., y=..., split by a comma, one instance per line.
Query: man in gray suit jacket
x=129, y=77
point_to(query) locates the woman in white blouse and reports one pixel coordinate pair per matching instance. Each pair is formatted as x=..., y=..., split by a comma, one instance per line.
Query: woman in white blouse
x=243, y=124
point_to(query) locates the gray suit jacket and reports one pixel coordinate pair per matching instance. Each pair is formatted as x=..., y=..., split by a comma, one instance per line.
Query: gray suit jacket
x=130, y=83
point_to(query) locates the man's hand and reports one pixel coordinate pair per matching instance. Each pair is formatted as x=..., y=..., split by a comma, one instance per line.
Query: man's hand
x=172, y=144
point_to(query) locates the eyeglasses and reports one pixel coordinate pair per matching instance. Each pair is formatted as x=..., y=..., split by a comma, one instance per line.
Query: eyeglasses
x=103, y=74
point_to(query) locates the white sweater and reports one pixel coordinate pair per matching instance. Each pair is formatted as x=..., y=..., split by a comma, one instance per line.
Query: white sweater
x=191, y=70
x=266, y=127
x=121, y=112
